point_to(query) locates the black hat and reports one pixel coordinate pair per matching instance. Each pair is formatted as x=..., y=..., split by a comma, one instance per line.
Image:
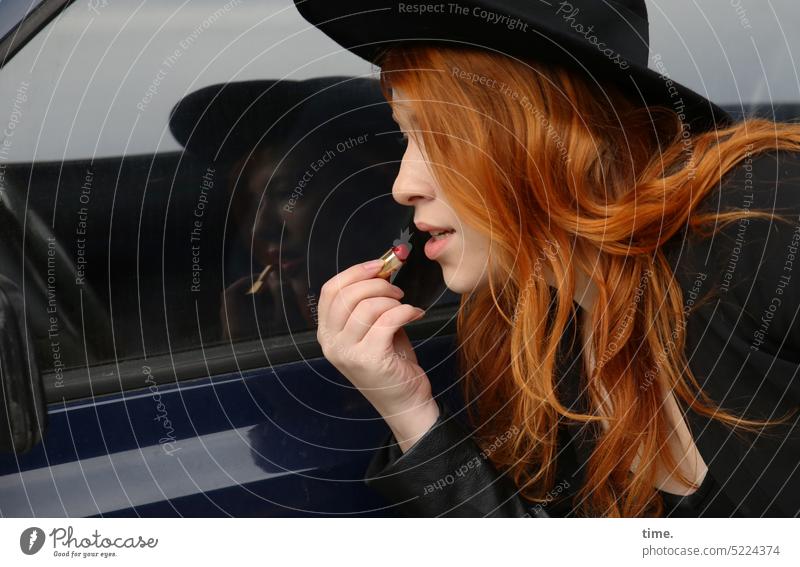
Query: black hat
x=216, y=122
x=607, y=38
x=226, y=121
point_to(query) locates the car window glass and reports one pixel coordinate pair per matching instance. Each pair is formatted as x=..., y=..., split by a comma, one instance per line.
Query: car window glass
x=159, y=157
x=741, y=54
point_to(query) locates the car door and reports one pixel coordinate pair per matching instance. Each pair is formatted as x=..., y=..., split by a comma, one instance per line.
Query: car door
x=179, y=179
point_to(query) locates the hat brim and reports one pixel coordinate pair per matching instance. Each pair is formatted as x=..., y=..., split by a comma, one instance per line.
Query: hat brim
x=215, y=122
x=369, y=27
x=227, y=121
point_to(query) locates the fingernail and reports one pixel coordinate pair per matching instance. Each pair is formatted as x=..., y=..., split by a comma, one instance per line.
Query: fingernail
x=372, y=265
x=421, y=312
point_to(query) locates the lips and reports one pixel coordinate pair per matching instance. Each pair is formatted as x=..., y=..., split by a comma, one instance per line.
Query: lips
x=435, y=245
x=291, y=264
x=287, y=262
x=425, y=227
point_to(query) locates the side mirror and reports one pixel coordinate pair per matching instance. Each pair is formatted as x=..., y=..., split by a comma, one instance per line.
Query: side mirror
x=23, y=413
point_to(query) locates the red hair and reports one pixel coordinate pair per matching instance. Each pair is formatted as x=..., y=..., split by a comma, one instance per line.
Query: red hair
x=558, y=175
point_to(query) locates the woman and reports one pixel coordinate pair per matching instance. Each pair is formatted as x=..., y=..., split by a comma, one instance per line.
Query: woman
x=614, y=278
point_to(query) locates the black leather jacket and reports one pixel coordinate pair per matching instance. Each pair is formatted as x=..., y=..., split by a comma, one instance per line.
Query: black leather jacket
x=445, y=474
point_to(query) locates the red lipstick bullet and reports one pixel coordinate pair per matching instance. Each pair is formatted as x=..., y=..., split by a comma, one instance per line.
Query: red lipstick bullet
x=393, y=260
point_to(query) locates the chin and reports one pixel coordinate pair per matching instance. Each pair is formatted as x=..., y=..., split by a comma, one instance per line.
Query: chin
x=459, y=282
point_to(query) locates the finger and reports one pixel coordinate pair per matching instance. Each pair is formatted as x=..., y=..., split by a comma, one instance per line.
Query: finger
x=301, y=303
x=330, y=289
x=329, y=293
x=351, y=296
x=364, y=317
x=241, y=285
x=380, y=337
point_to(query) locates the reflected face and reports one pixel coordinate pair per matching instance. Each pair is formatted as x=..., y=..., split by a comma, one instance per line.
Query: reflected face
x=270, y=232
x=462, y=252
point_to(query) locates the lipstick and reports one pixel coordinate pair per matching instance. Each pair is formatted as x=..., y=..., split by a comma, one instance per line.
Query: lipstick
x=393, y=260
x=259, y=281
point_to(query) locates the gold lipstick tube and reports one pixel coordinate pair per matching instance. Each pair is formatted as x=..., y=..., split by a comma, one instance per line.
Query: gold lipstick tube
x=391, y=263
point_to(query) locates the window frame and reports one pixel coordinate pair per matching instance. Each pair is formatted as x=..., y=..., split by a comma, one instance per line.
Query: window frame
x=207, y=362
x=19, y=35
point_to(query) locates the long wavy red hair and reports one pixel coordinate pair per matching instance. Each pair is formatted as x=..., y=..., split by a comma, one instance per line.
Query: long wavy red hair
x=558, y=175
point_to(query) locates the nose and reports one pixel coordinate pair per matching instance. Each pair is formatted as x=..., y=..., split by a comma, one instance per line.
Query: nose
x=410, y=186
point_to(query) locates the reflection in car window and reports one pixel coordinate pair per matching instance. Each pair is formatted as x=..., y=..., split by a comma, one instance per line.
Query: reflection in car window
x=304, y=198
x=174, y=180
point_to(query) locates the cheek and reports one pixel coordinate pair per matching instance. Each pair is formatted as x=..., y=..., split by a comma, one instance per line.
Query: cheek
x=475, y=247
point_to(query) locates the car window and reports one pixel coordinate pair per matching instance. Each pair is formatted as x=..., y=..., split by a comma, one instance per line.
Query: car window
x=742, y=54
x=178, y=175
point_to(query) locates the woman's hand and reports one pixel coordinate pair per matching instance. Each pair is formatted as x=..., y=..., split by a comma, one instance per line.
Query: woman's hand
x=360, y=332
